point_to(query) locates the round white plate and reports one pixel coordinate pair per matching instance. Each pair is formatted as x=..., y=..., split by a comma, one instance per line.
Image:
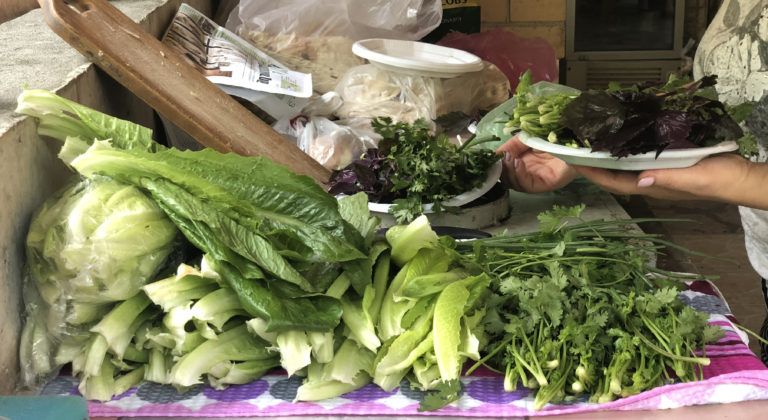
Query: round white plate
x=670, y=158
x=494, y=172
x=417, y=58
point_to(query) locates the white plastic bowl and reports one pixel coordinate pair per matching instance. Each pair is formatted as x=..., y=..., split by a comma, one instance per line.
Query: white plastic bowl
x=494, y=172
x=417, y=58
x=667, y=159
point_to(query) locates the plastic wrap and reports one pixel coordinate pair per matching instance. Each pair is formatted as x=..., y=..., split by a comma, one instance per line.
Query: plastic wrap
x=95, y=242
x=333, y=144
x=369, y=91
x=316, y=37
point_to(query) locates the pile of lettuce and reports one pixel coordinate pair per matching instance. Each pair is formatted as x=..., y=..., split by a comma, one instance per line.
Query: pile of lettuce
x=178, y=266
x=274, y=238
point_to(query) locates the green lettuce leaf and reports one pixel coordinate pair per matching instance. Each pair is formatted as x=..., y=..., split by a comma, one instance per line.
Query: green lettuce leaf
x=282, y=313
x=251, y=204
x=61, y=118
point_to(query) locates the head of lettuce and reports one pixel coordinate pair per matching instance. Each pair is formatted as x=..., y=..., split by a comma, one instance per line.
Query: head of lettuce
x=97, y=240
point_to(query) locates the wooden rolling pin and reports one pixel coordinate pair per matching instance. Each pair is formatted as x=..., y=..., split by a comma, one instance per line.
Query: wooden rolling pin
x=174, y=88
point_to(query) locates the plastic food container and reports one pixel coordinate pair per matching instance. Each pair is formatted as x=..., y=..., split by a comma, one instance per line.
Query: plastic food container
x=417, y=58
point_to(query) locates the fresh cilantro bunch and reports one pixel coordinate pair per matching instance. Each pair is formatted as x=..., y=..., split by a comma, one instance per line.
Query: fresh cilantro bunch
x=575, y=312
x=413, y=167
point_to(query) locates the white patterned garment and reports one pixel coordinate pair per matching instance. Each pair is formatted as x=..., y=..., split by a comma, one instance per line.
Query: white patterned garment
x=735, y=48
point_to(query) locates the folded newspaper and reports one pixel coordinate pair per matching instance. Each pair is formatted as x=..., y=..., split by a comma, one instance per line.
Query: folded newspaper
x=236, y=66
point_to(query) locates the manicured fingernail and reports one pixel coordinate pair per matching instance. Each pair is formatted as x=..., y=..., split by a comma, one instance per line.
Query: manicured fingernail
x=645, y=182
x=516, y=163
x=507, y=157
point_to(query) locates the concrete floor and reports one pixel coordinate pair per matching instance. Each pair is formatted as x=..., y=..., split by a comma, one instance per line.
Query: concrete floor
x=715, y=230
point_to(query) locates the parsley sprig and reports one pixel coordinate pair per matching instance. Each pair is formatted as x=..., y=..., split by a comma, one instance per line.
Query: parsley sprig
x=413, y=167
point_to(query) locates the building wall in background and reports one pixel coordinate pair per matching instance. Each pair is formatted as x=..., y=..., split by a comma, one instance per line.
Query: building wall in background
x=546, y=18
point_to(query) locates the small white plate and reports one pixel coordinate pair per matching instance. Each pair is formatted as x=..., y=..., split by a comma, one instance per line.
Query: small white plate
x=669, y=158
x=418, y=58
x=494, y=172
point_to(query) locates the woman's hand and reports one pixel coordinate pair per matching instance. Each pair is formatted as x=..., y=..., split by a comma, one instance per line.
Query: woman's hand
x=533, y=171
x=728, y=177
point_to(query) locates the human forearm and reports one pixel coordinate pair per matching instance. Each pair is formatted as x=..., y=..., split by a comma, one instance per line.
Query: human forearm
x=728, y=178
x=751, y=190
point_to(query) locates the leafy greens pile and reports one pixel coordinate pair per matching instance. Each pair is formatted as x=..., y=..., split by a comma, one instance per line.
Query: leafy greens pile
x=274, y=271
x=412, y=167
x=276, y=239
x=577, y=309
x=638, y=119
x=283, y=274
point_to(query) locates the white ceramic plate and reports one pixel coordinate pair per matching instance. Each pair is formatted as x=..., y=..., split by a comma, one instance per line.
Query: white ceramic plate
x=670, y=158
x=493, y=175
x=417, y=58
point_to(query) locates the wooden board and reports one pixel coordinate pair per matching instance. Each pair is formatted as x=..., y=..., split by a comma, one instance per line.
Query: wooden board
x=174, y=88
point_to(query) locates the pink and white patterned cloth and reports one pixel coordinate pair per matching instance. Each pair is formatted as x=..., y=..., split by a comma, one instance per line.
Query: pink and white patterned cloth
x=735, y=374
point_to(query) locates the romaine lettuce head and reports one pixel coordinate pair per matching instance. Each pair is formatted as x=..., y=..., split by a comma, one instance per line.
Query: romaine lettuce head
x=97, y=240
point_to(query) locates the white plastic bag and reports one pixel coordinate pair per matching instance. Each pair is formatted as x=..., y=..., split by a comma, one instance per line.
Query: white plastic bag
x=316, y=37
x=369, y=91
x=333, y=144
x=354, y=19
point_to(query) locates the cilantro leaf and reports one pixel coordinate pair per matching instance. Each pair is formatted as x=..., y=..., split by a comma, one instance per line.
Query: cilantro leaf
x=445, y=393
x=550, y=220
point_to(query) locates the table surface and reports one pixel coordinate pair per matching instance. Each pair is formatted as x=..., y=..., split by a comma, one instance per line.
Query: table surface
x=746, y=410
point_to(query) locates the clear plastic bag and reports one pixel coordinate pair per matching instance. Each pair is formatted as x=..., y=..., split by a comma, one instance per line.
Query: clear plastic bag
x=333, y=144
x=354, y=19
x=369, y=91
x=94, y=243
x=494, y=122
x=473, y=92
x=316, y=37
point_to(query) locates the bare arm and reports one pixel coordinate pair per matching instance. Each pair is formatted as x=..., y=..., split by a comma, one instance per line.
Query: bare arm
x=11, y=9
x=728, y=178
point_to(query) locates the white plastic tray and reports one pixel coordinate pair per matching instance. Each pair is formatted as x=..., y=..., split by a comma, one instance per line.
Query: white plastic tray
x=417, y=58
x=465, y=198
x=670, y=158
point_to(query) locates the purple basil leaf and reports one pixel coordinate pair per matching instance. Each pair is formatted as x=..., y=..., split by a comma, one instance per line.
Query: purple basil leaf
x=636, y=136
x=593, y=115
x=343, y=182
x=672, y=128
x=638, y=103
